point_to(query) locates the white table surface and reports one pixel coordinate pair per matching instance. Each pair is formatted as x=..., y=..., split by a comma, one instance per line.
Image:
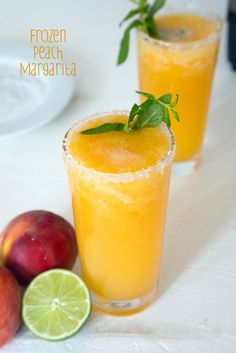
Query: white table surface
x=196, y=309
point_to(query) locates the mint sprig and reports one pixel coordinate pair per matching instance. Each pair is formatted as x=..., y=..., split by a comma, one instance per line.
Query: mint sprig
x=148, y=114
x=145, y=20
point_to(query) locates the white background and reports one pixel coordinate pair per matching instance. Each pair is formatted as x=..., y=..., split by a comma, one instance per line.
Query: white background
x=196, y=308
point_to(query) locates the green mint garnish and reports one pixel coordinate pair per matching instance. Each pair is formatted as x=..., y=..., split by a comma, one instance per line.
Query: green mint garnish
x=144, y=20
x=148, y=114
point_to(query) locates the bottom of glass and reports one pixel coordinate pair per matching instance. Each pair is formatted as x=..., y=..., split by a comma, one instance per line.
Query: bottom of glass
x=185, y=167
x=123, y=307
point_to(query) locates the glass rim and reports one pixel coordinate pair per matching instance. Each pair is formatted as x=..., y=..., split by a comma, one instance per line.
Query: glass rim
x=118, y=177
x=188, y=7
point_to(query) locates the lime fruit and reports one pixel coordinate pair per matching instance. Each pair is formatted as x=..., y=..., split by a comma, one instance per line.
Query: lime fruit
x=56, y=305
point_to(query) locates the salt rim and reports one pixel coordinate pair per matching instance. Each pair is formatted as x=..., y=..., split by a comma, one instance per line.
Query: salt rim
x=118, y=177
x=191, y=8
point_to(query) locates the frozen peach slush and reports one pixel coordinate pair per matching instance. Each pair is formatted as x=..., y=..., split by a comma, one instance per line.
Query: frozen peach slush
x=182, y=62
x=119, y=183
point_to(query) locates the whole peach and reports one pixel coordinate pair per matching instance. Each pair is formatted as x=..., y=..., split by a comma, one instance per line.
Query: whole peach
x=10, y=306
x=37, y=241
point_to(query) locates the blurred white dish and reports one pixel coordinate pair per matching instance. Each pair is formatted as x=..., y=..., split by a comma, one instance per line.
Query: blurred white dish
x=27, y=103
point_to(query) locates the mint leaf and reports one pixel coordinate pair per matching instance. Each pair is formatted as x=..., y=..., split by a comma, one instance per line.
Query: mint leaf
x=142, y=3
x=176, y=115
x=133, y=113
x=152, y=116
x=146, y=104
x=145, y=94
x=157, y=5
x=134, y=12
x=151, y=27
x=124, y=44
x=166, y=98
x=148, y=114
x=107, y=127
x=144, y=14
x=173, y=104
x=166, y=116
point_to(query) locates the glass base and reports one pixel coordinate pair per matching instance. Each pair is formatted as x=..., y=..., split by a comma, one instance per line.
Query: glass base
x=123, y=307
x=185, y=167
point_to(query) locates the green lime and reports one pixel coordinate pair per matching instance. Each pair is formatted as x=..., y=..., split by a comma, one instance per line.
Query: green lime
x=56, y=305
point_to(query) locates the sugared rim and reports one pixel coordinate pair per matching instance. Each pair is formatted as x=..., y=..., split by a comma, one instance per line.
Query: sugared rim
x=187, y=7
x=117, y=177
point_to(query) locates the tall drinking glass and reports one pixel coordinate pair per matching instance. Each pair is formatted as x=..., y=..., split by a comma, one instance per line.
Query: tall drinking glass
x=119, y=216
x=182, y=62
